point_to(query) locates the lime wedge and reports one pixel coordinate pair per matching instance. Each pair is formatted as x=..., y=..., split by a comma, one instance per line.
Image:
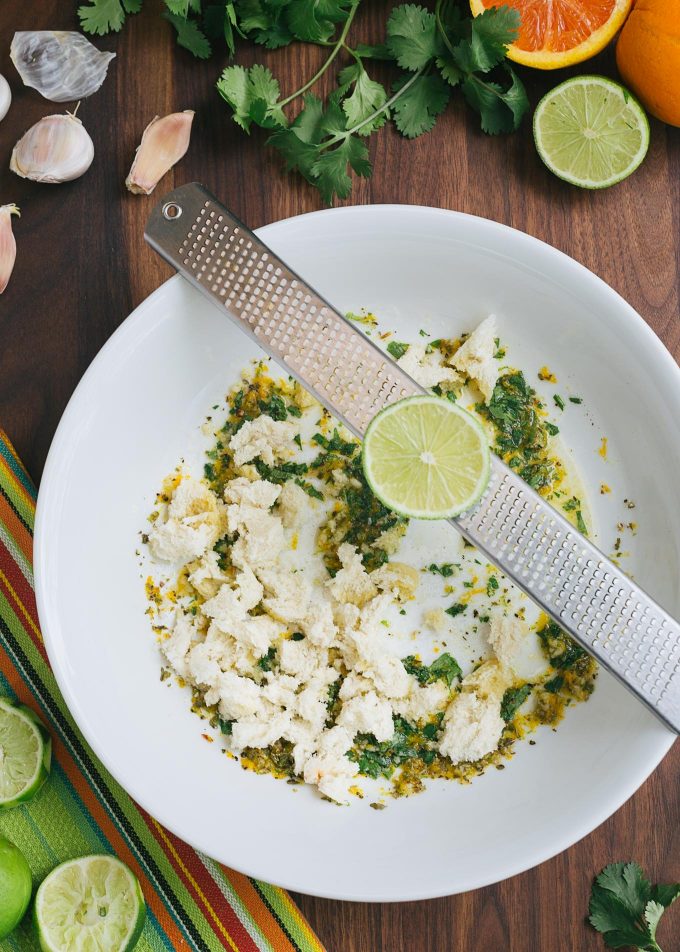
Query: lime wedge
x=89, y=903
x=16, y=886
x=426, y=458
x=25, y=754
x=591, y=131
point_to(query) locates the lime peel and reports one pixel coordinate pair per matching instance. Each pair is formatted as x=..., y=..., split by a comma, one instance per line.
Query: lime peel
x=426, y=458
x=16, y=885
x=591, y=132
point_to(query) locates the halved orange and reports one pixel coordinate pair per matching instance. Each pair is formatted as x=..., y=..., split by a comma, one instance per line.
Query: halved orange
x=556, y=33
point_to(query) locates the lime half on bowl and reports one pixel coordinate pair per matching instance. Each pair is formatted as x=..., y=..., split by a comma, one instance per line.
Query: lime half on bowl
x=426, y=458
x=25, y=754
x=591, y=131
x=90, y=903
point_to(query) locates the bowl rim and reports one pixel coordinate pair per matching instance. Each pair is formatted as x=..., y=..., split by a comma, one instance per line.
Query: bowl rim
x=371, y=213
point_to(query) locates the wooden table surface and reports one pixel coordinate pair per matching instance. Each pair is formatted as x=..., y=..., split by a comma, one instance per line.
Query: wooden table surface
x=82, y=266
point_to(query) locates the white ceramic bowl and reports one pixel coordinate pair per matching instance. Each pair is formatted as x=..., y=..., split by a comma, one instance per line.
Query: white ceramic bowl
x=137, y=411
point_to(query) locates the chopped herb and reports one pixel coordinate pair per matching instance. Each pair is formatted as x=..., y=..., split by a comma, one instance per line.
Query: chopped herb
x=294, y=411
x=562, y=651
x=575, y=400
x=267, y=661
x=491, y=585
x=559, y=402
x=552, y=429
x=274, y=407
x=445, y=569
x=571, y=504
x=456, y=609
x=554, y=686
x=423, y=333
x=225, y=726
x=396, y=349
x=580, y=523
x=444, y=668
x=513, y=700
x=369, y=319
x=336, y=444
x=468, y=584
x=298, y=439
x=297, y=636
x=282, y=472
x=309, y=489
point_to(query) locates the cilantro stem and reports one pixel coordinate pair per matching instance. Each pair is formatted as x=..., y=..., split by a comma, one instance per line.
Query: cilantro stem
x=342, y=136
x=440, y=26
x=334, y=52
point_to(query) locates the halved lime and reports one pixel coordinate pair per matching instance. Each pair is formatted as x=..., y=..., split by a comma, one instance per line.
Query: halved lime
x=426, y=458
x=16, y=885
x=90, y=903
x=25, y=753
x=591, y=131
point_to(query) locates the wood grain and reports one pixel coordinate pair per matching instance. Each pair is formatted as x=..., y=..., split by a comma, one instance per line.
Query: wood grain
x=82, y=266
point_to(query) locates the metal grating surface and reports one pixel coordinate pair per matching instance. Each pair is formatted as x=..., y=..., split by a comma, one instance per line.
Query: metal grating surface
x=513, y=526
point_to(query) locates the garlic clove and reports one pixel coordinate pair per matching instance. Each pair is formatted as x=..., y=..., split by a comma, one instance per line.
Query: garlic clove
x=63, y=66
x=5, y=97
x=56, y=149
x=164, y=142
x=8, y=246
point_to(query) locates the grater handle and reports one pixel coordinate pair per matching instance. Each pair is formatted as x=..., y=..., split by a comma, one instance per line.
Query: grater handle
x=516, y=529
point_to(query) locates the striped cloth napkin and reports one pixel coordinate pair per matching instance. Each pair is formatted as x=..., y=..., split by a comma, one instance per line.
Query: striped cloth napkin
x=193, y=902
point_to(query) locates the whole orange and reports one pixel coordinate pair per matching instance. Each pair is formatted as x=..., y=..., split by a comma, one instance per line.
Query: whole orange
x=648, y=57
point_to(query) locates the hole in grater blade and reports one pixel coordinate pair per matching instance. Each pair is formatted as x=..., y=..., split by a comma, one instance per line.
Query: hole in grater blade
x=171, y=211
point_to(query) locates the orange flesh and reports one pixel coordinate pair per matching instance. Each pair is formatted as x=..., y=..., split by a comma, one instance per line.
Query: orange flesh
x=557, y=25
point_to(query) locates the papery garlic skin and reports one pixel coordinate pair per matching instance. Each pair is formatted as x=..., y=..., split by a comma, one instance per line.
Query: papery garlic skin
x=164, y=142
x=63, y=66
x=5, y=97
x=56, y=149
x=8, y=246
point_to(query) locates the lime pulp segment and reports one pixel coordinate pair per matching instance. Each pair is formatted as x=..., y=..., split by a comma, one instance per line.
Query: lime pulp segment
x=25, y=754
x=426, y=458
x=591, y=131
x=90, y=903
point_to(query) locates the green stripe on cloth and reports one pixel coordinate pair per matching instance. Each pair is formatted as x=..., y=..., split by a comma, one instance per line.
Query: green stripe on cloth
x=193, y=905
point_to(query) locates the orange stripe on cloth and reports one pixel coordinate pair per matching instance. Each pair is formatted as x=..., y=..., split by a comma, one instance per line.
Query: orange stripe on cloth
x=254, y=903
x=183, y=858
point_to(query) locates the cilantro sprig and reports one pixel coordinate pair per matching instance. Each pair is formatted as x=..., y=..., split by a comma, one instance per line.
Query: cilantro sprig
x=429, y=53
x=626, y=908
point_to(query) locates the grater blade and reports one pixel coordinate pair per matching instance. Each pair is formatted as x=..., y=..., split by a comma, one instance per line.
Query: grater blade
x=515, y=528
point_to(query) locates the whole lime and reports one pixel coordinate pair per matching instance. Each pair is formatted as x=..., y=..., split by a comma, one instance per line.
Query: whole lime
x=16, y=886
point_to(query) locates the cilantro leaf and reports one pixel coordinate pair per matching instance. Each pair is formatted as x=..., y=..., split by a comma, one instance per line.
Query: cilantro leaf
x=189, y=35
x=501, y=109
x=104, y=16
x=219, y=20
x=444, y=668
x=513, y=700
x=313, y=21
x=412, y=36
x=366, y=97
x=180, y=7
x=490, y=34
x=330, y=169
x=396, y=349
x=626, y=909
x=264, y=21
x=253, y=94
x=422, y=100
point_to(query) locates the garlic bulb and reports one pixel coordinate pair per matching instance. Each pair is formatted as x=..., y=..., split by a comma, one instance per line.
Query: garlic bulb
x=56, y=149
x=62, y=66
x=8, y=246
x=5, y=97
x=164, y=142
